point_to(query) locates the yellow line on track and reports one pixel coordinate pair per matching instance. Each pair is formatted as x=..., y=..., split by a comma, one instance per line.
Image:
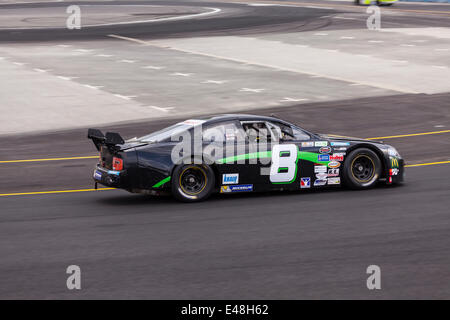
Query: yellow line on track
x=49, y=159
x=108, y=189
x=53, y=192
x=410, y=135
x=426, y=164
x=331, y=135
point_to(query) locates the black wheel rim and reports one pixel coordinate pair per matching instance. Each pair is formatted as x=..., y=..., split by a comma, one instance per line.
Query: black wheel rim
x=363, y=168
x=193, y=180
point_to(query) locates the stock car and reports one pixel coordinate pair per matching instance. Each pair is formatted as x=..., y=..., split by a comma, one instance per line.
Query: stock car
x=240, y=153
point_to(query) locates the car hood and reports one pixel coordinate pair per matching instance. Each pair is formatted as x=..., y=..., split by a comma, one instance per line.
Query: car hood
x=345, y=138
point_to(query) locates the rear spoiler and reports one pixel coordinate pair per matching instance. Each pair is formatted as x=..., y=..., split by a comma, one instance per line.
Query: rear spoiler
x=110, y=139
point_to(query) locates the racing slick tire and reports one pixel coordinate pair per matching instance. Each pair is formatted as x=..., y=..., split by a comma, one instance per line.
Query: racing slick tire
x=362, y=169
x=192, y=182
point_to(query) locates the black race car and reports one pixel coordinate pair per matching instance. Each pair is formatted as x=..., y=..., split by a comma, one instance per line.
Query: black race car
x=240, y=153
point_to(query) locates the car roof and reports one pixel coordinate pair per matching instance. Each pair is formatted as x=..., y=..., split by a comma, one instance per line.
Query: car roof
x=240, y=117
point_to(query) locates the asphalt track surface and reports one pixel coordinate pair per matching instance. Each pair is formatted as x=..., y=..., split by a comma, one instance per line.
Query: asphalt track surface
x=270, y=246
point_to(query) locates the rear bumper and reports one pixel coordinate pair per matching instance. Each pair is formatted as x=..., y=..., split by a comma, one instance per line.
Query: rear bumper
x=109, y=178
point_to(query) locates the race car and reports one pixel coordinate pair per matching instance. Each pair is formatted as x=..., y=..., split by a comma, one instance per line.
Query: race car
x=238, y=153
x=375, y=2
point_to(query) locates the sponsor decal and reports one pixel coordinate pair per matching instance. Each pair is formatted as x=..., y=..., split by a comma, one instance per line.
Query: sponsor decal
x=319, y=183
x=323, y=157
x=337, y=157
x=308, y=144
x=320, y=169
x=340, y=149
x=320, y=143
x=333, y=172
x=305, y=183
x=326, y=149
x=394, y=162
x=237, y=188
x=394, y=172
x=332, y=181
x=334, y=164
x=230, y=178
x=340, y=144
x=116, y=173
x=321, y=176
x=97, y=175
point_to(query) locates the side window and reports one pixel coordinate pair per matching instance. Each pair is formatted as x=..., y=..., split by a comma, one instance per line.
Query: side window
x=257, y=131
x=223, y=132
x=299, y=134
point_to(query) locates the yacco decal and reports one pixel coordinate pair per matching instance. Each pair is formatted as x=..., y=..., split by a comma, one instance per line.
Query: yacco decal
x=334, y=164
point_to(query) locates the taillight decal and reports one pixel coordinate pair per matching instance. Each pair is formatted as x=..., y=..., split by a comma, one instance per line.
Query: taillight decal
x=117, y=164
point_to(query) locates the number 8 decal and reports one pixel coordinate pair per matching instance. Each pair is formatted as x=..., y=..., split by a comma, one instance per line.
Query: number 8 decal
x=284, y=163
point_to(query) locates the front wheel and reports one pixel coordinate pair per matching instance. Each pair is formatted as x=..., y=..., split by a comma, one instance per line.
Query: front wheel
x=362, y=169
x=192, y=182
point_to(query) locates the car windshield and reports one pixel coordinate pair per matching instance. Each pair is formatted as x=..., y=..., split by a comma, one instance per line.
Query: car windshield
x=166, y=133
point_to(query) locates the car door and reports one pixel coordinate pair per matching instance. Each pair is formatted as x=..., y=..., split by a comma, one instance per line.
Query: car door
x=299, y=159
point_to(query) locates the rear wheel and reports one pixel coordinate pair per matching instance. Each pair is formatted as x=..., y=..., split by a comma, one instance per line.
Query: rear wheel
x=362, y=169
x=192, y=182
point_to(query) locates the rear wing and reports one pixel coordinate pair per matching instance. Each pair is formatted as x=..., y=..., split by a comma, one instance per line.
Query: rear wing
x=111, y=139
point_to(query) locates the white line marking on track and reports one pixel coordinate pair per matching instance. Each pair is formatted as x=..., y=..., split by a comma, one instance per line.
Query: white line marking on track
x=41, y=70
x=92, y=87
x=356, y=84
x=440, y=67
x=399, y=61
x=345, y=18
x=20, y=63
x=84, y=50
x=320, y=34
x=67, y=78
x=104, y=55
x=441, y=49
x=252, y=90
x=153, y=67
x=126, y=61
x=167, y=109
x=407, y=45
x=185, y=17
x=287, y=99
x=64, y=45
x=346, y=38
x=375, y=41
x=439, y=126
x=215, y=81
x=180, y=74
x=314, y=7
x=124, y=97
